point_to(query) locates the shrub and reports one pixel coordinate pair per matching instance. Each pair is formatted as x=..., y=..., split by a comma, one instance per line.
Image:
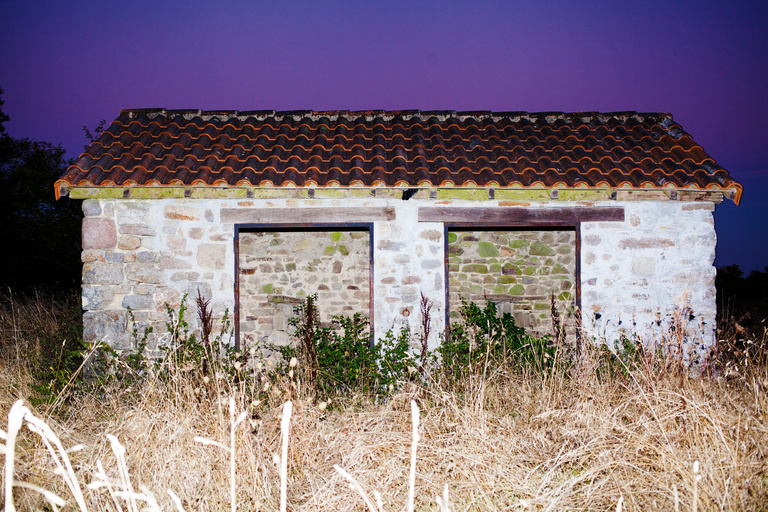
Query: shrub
x=341, y=358
x=483, y=341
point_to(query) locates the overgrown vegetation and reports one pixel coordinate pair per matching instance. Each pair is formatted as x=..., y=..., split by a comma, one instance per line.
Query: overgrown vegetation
x=342, y=359
x=508, y=421
x=742, y=327
x=484, y=343
x=42, y=333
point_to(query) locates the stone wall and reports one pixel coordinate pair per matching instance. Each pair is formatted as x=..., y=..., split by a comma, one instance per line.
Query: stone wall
x=144, y=255
x=640, y=275
x=517, y=270
x=280, y=269
x=636, y=274
x=408, y=261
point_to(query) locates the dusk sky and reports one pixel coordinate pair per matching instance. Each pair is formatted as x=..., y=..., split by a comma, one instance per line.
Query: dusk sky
x=65, y=65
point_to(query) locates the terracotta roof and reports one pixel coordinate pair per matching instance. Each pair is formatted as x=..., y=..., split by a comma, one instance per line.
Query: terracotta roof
x=157, y=147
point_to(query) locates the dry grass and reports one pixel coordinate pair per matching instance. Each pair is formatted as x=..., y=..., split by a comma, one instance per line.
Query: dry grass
x=525, y=443
x=532, y=445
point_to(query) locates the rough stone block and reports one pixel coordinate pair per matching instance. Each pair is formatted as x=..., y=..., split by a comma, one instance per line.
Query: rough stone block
x=304, y=245
x=137, y=229
x=102, y=273
x=110, y=327
x=389, y=245
x=143, y=274
x=129, y=243
x=431, y=234
x=517, y=289
x=144, y=289
x=646, y=243
x=540, y=249
x=97, y=297
x=98, y=233
x=181, y=212
x=133, y=212
x=138, y=302
x=510, y=270
x=591, y=240
x=487, y=250
x=175, y=242
x=116, y=257
x=710, y=207
x=184, y=276
x=146, y=257
x=92, y=255
x=196, y=286
x=91, y=207
x=171, y=263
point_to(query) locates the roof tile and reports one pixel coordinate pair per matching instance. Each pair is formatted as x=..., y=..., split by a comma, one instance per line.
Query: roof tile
x=156, y=147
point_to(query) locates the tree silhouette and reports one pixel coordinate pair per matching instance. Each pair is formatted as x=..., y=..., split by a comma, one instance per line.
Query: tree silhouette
x=40, y=236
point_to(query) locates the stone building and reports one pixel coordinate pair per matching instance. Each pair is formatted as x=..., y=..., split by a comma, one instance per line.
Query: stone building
x=610, y=214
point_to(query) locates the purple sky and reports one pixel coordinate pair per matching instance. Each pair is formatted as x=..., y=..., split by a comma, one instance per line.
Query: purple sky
x=64, y=65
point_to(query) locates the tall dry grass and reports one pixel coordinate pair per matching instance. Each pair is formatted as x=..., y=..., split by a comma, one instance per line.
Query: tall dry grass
x=639, y=441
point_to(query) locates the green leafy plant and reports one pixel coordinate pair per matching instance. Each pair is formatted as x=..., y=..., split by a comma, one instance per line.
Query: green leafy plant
x=484, y=341
x=341, y=359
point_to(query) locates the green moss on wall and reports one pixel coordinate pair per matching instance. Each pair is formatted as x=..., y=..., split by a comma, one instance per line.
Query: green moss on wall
x=487, y=250
x=540, y=249
x=475, y=268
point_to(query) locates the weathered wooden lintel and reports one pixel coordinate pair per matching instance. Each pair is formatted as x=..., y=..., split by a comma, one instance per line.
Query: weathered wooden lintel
x=520, y=216
x=305, y=215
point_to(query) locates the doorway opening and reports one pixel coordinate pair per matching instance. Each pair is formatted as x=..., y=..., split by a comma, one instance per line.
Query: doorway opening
x=277, y=268
x=520, y=270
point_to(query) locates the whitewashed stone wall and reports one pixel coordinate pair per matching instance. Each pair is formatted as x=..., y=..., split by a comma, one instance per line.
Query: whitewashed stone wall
x=144, y=254
x=408, y=260
x=639, y=275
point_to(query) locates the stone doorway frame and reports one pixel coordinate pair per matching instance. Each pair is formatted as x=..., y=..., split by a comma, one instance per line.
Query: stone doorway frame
x=495, y=225
x=299, y=227
x=501, y=218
